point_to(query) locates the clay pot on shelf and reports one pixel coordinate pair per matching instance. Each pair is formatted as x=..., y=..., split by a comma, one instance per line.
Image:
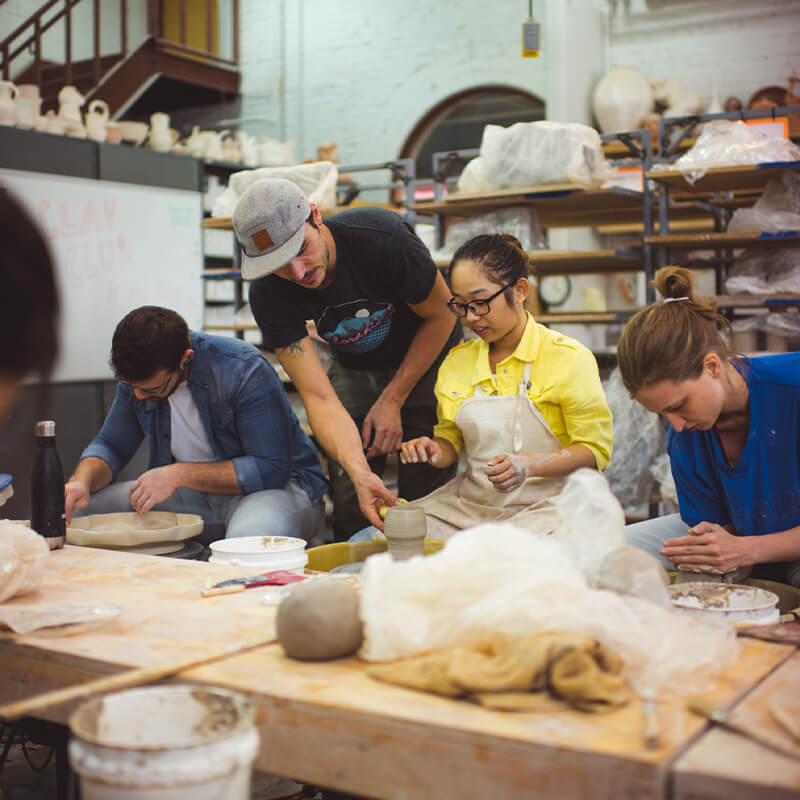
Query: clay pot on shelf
x=8, y=103
x=113, y=133
x=97, y=120
x=29, y=105
x=70, y=101
x=621, y=99
x=55, y=124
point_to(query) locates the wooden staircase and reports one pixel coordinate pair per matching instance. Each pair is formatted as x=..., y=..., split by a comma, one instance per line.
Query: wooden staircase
x=179, y=74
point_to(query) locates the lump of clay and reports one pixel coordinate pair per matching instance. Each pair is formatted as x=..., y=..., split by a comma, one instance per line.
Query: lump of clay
x=319, y=620
x=23, y=555
x=629, y=570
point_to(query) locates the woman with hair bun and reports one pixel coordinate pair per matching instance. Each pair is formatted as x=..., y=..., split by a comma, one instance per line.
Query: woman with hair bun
x=733, y=441
x=524, y=404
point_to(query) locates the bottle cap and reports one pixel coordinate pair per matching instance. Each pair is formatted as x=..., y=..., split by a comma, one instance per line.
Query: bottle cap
x=46, y=427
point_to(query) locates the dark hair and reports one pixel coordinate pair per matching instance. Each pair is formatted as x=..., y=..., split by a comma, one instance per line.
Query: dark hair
x=500, y=257
x=147, y=340
x=29, y=304
x=668, y=341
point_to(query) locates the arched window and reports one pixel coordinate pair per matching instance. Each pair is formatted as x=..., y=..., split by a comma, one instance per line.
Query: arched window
x=457, y=123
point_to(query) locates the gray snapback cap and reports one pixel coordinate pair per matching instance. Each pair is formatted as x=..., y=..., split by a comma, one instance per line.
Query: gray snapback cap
x=269, y=222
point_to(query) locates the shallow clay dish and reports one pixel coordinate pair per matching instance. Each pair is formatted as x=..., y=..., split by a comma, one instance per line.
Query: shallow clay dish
x=129, y=529
x=772, y=94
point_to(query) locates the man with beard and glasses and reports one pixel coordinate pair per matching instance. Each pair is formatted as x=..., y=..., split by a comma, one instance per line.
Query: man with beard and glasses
x=224, y=441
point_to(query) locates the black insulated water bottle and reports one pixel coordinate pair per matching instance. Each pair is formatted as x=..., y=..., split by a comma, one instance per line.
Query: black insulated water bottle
x=47, y=487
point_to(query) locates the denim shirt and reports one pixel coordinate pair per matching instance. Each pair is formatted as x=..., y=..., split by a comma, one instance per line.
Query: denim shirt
x=245, y=412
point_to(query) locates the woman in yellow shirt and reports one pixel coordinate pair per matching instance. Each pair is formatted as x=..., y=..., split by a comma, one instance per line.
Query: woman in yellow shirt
x=523, y=403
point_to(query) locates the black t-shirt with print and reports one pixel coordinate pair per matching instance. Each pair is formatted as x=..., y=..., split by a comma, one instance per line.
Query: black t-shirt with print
x=381, y=267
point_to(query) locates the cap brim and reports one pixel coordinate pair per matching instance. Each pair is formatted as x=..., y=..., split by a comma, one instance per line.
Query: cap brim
x=254, y=267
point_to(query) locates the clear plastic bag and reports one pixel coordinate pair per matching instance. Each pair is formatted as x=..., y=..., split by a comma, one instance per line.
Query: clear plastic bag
x=317, y=181
x=778, y=209
x=520, y=221
x=498, y=578
x=536, y=154
x=765, y=271
x=661, y=470
x=723, y=143
x=23, y=556
x=639, y=438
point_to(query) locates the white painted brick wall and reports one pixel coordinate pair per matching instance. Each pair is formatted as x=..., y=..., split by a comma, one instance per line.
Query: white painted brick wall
x=747, y=45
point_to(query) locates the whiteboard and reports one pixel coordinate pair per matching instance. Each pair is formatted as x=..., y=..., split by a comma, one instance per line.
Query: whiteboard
x=116, y=246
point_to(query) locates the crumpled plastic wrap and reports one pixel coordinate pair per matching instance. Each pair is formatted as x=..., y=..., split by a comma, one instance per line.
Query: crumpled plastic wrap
x=536, y=154
x=23, y=556
x=759, y=271
x=639, y=438
x=778, y=208
x=725, y=143
x=587, y=497
x=317, y=181
x=519, y=221
x=498, y=578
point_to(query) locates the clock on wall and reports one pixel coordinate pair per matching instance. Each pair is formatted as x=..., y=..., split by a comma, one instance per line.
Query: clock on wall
x=554, y=289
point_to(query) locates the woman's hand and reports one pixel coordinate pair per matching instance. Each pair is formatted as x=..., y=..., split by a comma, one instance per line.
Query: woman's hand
x=422, y=450
x=711, y=544
x=507, y=472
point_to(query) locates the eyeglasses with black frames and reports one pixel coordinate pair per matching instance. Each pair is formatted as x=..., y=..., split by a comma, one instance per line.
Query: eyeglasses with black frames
x=480, y=308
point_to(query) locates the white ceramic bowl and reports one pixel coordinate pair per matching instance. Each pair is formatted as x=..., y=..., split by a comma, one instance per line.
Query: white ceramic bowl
x=261, y=553
x=135, y=132
x=730, y=602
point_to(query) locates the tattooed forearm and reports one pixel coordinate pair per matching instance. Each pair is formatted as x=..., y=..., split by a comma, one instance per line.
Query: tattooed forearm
x=293, y=349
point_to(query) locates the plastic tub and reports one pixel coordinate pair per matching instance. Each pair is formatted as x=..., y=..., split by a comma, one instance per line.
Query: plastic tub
x=730, y=602
x=164, y=743
x=329, y=556
x=261, y=553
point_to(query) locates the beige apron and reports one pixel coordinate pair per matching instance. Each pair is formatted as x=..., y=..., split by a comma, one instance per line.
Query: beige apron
x=490, y=427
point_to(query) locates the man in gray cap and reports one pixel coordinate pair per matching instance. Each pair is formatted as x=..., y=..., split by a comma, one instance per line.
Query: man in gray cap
x=378, y=300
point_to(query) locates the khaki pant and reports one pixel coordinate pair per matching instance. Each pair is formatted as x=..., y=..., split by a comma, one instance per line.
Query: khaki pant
x=358, y=390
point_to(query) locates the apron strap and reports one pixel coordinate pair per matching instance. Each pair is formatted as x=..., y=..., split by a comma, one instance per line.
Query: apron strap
x=522, y=395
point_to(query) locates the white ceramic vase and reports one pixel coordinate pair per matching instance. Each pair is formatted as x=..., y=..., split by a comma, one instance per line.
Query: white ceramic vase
x=621, y=99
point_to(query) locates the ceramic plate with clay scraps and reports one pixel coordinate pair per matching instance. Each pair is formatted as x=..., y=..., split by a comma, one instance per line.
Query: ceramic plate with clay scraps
x=129, y=529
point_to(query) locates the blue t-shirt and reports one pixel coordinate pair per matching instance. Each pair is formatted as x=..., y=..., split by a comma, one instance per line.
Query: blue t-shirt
x=761, y=494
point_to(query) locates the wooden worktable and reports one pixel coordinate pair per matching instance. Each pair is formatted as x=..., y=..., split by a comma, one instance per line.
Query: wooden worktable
x=329, y=723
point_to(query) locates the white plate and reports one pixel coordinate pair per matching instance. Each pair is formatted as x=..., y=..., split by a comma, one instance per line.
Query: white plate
x=127, y=528
x=57, y=619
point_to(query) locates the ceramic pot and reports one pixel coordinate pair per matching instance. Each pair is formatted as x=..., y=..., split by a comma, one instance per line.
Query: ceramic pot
x=621, y=99
x=8, y=104
x=96, y=118
x=54, y=123
x=162, y=140
x=41, y=124
x=159, y=122
x=69, y=95
x=196, y=143
x=27, y=112
x=405, y=529
x=113, y=133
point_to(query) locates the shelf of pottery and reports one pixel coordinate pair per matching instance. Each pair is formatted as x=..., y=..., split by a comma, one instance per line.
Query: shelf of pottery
x=571, y=185
x=226, y=309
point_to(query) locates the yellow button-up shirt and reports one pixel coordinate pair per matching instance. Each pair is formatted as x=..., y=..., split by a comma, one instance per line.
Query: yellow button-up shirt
x=564, y=385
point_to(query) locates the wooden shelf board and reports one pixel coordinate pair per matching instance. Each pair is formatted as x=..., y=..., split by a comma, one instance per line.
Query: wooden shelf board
x=585, y=317
x=726, y=240
x=571, y=262
x=725, y=179
x=222, y=223
x=772, y=301
x=558, y=205
x=703, y=223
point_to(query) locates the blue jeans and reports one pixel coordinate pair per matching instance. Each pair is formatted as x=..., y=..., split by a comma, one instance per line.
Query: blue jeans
x=652, y=533
x=270, y=512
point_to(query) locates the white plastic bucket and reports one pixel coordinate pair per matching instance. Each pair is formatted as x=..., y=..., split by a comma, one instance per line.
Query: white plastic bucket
x=261, y=553
x=164, y=743
x=731, y=602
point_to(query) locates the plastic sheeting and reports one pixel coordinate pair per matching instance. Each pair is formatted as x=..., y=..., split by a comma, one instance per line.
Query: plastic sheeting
x=520, y=221
x=723, y=143
x=499, y=578
x=778, y=209
x=317, y=181
x=639, y=438
x=535, y=154
x=23, y=556
x=759, y=271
